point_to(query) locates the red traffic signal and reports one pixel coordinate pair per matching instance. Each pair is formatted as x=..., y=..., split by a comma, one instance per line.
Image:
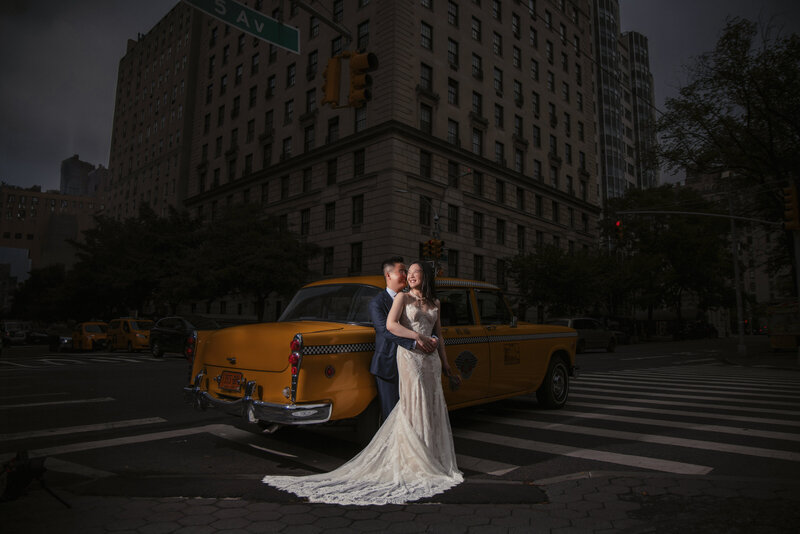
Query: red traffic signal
x=618, y=225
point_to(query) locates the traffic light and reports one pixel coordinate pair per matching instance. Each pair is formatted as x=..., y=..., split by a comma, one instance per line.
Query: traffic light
x=791, y=214
x=618, y=225
x=427, y=249
x=436, y=248
x=360, y=81
x=332, y=76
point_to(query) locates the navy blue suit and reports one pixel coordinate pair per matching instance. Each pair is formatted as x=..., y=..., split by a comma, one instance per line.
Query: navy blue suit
x=384, y=361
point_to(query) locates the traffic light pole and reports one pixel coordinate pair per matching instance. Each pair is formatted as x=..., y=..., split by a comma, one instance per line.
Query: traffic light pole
x=344, y=32
x=796, y=237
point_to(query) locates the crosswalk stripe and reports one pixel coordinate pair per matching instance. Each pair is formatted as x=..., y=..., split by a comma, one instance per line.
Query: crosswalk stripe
x=57, y=403
x=688, y=404
x=646, y=438
x=483, y=465
x=664, y=382
x=673, y=396
x=82, y=428
x=716, y=377
x=684, y=413
x=683, y=425
x=654, y=464
x=646, y=384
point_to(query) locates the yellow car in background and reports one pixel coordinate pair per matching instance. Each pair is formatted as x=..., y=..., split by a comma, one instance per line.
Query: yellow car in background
x=90, y=335
x=129, y=333
x=312, y=365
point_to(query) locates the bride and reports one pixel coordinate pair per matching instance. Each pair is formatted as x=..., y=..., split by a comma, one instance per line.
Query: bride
x=412, y=455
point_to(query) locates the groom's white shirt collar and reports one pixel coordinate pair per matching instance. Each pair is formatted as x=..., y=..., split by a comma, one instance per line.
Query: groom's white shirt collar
x=392, y=294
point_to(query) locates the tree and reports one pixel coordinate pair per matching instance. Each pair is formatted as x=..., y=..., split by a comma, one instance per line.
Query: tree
x=250, y=254
x=740, y=112
x=671, y=255
x=41, y=296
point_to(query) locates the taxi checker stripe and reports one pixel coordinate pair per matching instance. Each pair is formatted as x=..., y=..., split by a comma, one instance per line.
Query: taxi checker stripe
x=338, y=349
x=370, y=347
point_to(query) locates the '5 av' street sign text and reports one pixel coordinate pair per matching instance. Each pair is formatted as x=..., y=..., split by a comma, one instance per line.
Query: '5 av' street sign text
x=251, y=21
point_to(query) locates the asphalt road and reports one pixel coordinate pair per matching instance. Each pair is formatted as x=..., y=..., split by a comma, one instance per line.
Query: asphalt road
x=117, y=424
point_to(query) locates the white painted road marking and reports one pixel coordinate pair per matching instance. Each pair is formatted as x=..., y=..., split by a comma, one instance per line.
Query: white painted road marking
x=83, y=428
x=654, y=464
x=645, y=438
x=56, y=403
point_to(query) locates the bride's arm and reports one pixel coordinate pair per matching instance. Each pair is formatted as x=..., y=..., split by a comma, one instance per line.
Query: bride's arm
x=393, y=319
x=437, y=330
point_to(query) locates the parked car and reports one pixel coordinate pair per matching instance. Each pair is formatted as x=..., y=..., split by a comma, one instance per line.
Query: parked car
x=14, y=332
x=170, y=334
x=312, y=366
x=90, y=335
x=129, y=333
x=592, y=334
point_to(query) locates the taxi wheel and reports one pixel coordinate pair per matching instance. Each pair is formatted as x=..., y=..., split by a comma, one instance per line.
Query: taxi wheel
x=554, y=390
x=156, y=350
x=368, y=422
x=130, y=346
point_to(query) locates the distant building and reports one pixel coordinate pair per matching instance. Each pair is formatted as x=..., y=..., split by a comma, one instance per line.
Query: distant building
x=80, y=178
x=41, y=223
x=625, y=104
x=481, y=122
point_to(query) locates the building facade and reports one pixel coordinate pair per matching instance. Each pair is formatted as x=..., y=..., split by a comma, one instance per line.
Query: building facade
x=481, y=129
x=625, y=105
x=43, y=223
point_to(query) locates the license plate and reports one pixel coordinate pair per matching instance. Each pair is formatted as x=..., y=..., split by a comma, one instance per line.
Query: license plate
x=230, y=380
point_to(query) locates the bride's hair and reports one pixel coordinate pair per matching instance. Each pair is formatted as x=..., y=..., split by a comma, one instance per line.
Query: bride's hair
x=428, y=286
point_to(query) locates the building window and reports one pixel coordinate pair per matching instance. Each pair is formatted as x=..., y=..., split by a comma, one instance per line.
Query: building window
x=453, y=174
x=331, y=173
x=305, y=220
x=355, y=258
x=476, y=29
x=330, y=216
x=477, y=225
x=498, y=80
x=452, y=218
x=452, y=263
x=424, y=211
x=520, y=199
x=452, y=13
x=361, y=119
x=358, y=163
x=427, y=36
x=357, y=210
x=425, y=119
x=327, y=261
x=291, y=71
x=501, y=232
x=498, y=116
x=452, y=132
x=363, y=35
x=477, y=267
x=452, y=53
x=333, y=129
x=425, y=164
x=477, y=141
x=477, y=183
x=426, y=77
x=452, y=91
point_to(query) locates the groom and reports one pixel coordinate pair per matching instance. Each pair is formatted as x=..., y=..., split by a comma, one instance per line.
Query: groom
x=384, y=361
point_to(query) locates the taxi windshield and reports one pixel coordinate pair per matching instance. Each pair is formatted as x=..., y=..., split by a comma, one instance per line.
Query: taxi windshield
x=96, y=328
x=141, y=325
x=338, y=303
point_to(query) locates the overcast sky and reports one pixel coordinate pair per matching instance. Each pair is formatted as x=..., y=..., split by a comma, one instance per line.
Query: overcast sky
x=59, y=61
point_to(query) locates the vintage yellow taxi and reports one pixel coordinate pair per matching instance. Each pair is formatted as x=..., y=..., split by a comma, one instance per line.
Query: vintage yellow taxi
x=312, y=365
x=89, y=335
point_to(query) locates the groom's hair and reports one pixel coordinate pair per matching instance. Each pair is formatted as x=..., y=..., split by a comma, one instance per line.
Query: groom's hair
x=389, y=263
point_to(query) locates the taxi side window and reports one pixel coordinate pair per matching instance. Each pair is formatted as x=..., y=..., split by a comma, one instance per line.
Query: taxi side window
x=126, y=327
x=492, y=307
x=456, y=309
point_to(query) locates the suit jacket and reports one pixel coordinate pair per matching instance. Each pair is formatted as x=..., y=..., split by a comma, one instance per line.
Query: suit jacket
x=384, y=361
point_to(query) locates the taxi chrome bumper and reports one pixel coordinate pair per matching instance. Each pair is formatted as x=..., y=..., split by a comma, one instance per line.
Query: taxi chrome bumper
x=256, y=410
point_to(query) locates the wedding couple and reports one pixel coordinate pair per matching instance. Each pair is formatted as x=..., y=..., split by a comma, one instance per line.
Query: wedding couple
x=412, y=454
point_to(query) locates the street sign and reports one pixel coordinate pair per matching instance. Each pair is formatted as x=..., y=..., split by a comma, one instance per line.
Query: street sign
x=251, y=21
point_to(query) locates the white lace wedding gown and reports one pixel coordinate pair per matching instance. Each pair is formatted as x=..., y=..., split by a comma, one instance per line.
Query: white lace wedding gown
x=412, y=455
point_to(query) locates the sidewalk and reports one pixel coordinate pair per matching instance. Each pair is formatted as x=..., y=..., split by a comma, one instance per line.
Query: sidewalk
x=592, y=502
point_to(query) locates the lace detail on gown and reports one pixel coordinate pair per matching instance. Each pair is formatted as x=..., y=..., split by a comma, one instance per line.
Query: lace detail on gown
x=411, y=456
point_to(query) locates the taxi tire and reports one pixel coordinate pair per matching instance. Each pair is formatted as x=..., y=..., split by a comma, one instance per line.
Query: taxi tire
x=368, y=422
x=553, y=392
x=155, y=349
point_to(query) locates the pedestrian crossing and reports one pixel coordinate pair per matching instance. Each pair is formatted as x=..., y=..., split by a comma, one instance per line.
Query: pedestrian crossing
x=687, y=421
x=21, y=363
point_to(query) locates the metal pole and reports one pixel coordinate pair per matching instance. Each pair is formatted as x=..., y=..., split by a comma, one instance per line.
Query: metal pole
x=741, y=349
x=796, y=236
